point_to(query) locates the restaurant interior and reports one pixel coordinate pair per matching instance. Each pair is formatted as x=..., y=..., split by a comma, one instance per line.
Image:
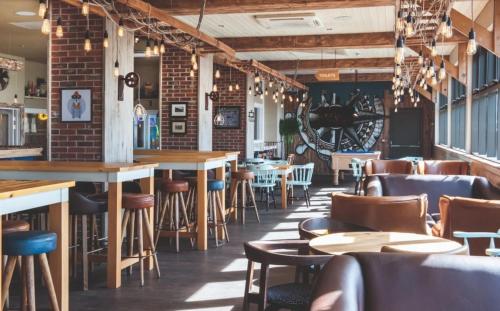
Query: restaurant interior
x=249, y=155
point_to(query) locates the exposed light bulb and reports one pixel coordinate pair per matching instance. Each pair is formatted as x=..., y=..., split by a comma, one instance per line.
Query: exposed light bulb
x=191, y=72
x=59, y=28
x=449, y=29
x=217, y=74
x=116, y=70
x=398, y=69
x=195, y=66
x=148, y=49
x=420, y=57
x=442, y=26
x=261, y=96
x=431, y=68
x=423, y=70
x=442, y=71
x=400, y=21
x=266, y=92
x=156, y=48
x=193, y=56
x=472, y=45
x=237, y=87
x=434, y=80
x=162, y=46
x=410, y=31
x=270, y=83
x=281, y=106
x=105, y=41
x=46, y=23
x=42, y=8
x=214, y=88
x=282, y=88
x=85, y=7
x=87, y=45
x=121, y=30
x=230, y=87
x=433, y=48
x=15, y=98
x=257, y=78
x=400, y=51
x=250, y=90
x=137, y=39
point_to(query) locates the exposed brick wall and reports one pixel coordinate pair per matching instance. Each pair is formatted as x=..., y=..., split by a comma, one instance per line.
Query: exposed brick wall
x=178, y=86
x=73, y=67
x=231, y=139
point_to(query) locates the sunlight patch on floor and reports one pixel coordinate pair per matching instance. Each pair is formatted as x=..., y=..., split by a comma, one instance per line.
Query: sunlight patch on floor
x=287, y=225
x=281, y=235
x=237, y=265
x=304, y=215
x=218, y=291
x=221, y=308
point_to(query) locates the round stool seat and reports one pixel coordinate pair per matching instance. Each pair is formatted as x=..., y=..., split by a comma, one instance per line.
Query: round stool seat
x=79, y=204
x=27, y=243
x=242, y=175
x=10, y=226
x=172, y=186
x=137, y=200
x=215, y=185
x=159, y=182
x=192, y=181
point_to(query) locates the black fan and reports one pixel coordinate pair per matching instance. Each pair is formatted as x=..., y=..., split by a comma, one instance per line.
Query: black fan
x=4, y=79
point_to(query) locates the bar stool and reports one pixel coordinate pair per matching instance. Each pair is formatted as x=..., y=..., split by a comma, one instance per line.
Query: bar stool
x=136, y=206
x=81, y=209
x=191, y=198
x=170, y=224
x=243, y=180
x=26, y=245
x=215, y=212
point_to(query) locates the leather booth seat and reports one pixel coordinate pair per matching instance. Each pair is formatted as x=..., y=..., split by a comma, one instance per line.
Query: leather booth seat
x=443, y=167
x=434, y=186
x=395, y=213
x=394, y=282
x=375, y=167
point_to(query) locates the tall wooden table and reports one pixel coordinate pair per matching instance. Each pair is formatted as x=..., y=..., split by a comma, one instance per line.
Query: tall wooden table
x=17, y=196
x=111, y=173
x=284, y=171
x=201, y=162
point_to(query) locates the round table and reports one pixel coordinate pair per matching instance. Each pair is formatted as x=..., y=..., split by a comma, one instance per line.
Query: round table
x=366, y=241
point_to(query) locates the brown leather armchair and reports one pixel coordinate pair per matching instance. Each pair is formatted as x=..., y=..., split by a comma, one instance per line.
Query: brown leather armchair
x=394, y=282
x=374, y=167
x=392, y=213
x=443, y=167
x=470, y=215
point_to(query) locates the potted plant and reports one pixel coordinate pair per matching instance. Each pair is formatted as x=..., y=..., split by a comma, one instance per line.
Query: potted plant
x=288, y=128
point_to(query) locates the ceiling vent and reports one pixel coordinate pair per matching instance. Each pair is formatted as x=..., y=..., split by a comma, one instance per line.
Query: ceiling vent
x=292, y=20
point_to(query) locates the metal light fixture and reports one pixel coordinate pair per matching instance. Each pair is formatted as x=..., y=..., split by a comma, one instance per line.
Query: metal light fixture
x=420, y=57
x=472, y=45
x=121, y=29
x=46, y=23
x=442, y=71
x=217, y=74
x=148, y=49
x=42, y=8
x=59, y=28
x=85, y=7
x=433, y=48
x=116, y=70
x=156, y=48
x=105, y=41
x=162, y=46
x=400, y=51
x=87, y=45
x=237, y=87
x=219, y=118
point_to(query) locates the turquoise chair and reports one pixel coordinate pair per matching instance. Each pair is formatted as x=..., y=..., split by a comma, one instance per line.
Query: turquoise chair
x=357, y=173
x=302, y=177
x=265, y=180
x=492, y=250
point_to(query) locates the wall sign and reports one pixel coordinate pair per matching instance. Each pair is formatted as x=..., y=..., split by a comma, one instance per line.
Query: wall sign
x=327, y=75
x=76, y=105
x=232, y=117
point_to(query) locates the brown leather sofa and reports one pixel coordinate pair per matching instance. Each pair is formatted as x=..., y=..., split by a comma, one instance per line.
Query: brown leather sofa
x=447, y=167
x=434, y=186
x=374, y=167
x=398, y=213
x=395, y=282
x=469, y=215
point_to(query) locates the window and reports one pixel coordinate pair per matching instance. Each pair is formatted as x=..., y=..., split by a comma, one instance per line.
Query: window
x=485, y=124
x=443, y=119
x=457, y=115
x=258, y=129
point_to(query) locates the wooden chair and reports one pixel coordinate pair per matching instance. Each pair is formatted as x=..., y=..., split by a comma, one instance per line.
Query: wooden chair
x=357, y=173
x=302, y=177
x=314, y=227
x=374, y=167
x=443, y=167
x=294, y=295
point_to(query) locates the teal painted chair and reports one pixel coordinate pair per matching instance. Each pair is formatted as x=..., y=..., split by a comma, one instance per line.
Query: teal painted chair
x=265, y=181
x=302, y=177
x=357, y=173
x=492, y=250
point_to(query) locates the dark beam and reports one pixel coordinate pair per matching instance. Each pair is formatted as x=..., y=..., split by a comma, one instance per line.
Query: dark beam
x=387, y=62
x=349, y=77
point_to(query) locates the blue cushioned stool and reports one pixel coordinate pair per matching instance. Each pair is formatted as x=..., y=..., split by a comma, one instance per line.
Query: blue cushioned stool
x=27, y=244
x=216, y=215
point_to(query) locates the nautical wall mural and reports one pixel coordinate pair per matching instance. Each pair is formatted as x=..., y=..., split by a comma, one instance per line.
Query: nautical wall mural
x=331, y=125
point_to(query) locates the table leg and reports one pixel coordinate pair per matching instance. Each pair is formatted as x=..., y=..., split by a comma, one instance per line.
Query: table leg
x=168, y=174
x=283, y=190
x=234, y=168
x=114, y=277
x=1, y=257
x=220, y=173
x=201, y=210
x=335, y=177
x=59, y=260
x=147, y=186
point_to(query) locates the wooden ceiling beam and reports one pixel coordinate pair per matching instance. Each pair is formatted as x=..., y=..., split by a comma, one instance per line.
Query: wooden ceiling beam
x=463, y=24
x=496, y=26
x=310, y=42
x=273, y=72
x=349, y=77
x=451, y=69
x=386, y=62
x=192, y=7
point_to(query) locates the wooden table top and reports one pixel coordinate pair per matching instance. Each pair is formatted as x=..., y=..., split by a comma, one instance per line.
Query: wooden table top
x=340, y=243
x=189, y=153
x=16, y=188
x=183, y=158
x=73, y=166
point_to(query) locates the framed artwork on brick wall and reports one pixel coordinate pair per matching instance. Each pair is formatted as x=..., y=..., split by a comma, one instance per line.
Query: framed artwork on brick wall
x=76, y=105
x=232, y=117
x=178, y=127
x=178, y=110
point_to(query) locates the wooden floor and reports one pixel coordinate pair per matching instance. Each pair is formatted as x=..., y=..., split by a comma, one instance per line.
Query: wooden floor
x=212, y=280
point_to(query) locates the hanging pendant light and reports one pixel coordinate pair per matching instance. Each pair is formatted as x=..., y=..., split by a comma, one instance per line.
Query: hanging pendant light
x=42, y=8
x=257, y=77
x=420, y=57
x=230, y=87
x=250, y=90
x=214, y=88
x=472, y=45
x=423, y=70
x=121, y=29
x=59, y=28
x=282, y=88
x=217, y=74
x=105, y=41
x=434, y=80
x=449, y=28
x=442, y=71
x=162, y=46
x=400, y=51
x=433, y=48
x=219, y=118
x=85, y=7
x=46, y=23
x=191, y=72
x=409, y=29
x=193, y=56
x=15, y=98
x=87, y=45
x=156, y=48
x=399, y=21
x=266, y=92
x=237, y=87
x=443, y=25
x=398, y=69
x=148, y=48
x=270, y=83
x=116, y=70
x=139, y=111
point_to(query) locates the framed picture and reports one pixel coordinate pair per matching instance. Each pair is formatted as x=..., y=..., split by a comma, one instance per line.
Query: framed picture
x=232, y=117
x=76, y=105
x=178, y=110
x=178, y=127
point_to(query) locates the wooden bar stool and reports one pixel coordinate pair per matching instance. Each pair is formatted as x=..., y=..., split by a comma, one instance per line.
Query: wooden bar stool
x=216, y=214
x=174, y=220
x=191, y=198
x=243, y=180
x=24, y=246
x=136, y=215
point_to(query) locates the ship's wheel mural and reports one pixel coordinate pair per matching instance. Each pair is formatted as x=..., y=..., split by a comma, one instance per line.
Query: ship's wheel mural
x=354, y=125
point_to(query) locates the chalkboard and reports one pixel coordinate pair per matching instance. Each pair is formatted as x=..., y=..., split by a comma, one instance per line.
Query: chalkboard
x=231, y=117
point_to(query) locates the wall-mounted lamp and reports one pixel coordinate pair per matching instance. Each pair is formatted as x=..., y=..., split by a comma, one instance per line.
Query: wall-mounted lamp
x=251, y=115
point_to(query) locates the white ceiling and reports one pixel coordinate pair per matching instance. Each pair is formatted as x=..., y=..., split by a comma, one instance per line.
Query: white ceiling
x=464, y=7
x=344, y=70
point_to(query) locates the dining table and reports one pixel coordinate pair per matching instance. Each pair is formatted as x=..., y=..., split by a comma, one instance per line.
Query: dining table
x=18, y=196
x=112, y=174
x=201, y=162
x=376, y=241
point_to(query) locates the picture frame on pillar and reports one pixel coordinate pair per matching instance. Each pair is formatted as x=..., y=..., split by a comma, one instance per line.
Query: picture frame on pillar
x=76, y=105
